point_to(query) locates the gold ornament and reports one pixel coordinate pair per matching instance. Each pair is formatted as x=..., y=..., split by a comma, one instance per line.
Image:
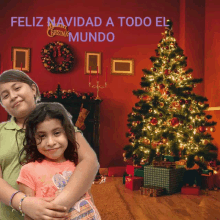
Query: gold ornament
x=212, y=129
x=83, y=97
x=205, y=142
x=196, y=158
x=161, y=104
x=123, y=154
x=45, y=65
x=146, y=141
x=150, y=110
x=134, y=123
x=164, y=140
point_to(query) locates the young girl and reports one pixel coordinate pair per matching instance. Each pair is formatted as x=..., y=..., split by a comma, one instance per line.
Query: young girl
x=51, y=157
x=18, y=96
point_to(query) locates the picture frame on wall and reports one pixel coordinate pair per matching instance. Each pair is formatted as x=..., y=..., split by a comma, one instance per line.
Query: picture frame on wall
x=122, y=66
x=93, y=60
x=21, y=57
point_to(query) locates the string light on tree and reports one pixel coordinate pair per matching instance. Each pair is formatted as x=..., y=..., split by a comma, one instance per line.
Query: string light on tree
x=169, y=115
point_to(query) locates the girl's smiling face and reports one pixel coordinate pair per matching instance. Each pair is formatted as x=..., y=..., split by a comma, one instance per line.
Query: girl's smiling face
x=17, y=98
x=51, y=140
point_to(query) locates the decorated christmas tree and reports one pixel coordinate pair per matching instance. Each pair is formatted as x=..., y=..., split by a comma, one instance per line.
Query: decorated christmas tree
x=169, y=119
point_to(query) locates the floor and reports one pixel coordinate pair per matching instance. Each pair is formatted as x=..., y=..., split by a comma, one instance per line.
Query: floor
x=114, y=201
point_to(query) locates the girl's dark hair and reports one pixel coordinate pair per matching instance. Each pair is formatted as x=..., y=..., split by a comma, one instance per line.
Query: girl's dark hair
x=19, y=76
x=42, y=112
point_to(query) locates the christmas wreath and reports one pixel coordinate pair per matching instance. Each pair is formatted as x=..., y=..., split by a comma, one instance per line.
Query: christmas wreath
x=53, y=50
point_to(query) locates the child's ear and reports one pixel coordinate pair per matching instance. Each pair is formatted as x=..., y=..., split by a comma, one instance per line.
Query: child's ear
x=34, y=89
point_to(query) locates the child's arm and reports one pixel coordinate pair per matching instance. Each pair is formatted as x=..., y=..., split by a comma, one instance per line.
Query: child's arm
x=28, y=192
x=82, y=177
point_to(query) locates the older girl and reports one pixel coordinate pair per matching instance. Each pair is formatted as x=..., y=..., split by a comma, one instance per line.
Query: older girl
x=18, y=95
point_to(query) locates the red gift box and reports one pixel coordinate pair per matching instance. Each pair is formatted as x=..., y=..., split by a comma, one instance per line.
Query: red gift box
x=207, y=181
x=188, y=190
x=217, y=179
x=134, y=182
x=116, y=171
x=130, y=169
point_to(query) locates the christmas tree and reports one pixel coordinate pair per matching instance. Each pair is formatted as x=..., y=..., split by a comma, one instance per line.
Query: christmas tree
x=169, y=118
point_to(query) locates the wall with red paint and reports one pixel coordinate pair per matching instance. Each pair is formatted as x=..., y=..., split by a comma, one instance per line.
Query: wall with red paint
x=130, y=42
x=212, y=62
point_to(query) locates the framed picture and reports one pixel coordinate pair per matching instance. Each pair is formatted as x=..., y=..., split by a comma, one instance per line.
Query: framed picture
x=21, y=58
x=93, y=60
x=122, y=66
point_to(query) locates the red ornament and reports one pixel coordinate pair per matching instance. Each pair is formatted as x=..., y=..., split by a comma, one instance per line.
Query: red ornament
x=182, y=101
x=162, y=86
x=161, y=115
x=166, y=72
x=153, y=121
x=188, y=101
x=190, y=127
x=202, y=129
x=154, y=69
x=174, y=122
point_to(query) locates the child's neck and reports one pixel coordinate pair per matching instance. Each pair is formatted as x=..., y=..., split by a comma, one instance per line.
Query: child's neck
x=20, y=122
x=59, y=161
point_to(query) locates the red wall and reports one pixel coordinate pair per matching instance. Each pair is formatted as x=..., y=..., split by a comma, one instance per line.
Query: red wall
x=212, y=62
x=130, y=42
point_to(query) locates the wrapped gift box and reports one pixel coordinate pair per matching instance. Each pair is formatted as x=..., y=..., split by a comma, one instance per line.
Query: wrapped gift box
x=180, y=166
x=133, y=182
x=139, y=172
x=216, y=179
x=152, y=191
x=130, y=169
x=207, y=181
x=170, y=179
x=165, y=164
x=180, y=162
x=171, y=158
x=188, y=190
x=116, y=171
x=124, y=175
x=207, y=172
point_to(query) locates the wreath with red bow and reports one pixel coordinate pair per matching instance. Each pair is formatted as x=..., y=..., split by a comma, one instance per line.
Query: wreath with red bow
x=53, y=50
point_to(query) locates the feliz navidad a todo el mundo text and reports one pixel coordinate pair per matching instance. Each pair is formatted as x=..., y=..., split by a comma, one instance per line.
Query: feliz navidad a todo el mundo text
x=88, y=22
